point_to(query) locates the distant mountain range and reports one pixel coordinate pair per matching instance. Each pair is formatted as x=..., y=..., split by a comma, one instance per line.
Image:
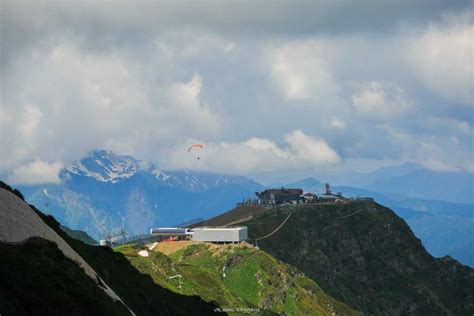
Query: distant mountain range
x=104, y=192
x=412, y=180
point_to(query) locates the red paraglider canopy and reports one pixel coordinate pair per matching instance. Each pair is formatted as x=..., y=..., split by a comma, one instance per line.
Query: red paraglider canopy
x=195, y=145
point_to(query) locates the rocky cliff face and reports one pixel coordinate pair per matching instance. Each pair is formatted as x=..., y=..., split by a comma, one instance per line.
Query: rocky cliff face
x=366, y=256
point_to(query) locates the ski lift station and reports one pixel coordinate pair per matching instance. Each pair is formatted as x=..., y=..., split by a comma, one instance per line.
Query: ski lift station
x=207, y=234
x=220, y=234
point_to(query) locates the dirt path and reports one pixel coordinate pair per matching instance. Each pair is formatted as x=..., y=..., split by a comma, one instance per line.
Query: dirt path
x=168, y=247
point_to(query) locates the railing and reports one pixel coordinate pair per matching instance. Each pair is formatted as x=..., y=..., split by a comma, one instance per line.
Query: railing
x=135, y=239
x=221, y=227
x=190, y=222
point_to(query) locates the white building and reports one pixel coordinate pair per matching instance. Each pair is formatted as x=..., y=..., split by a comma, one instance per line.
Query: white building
x=220, y=234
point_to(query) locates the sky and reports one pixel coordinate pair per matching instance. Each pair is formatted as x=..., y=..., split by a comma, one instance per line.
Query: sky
x=273, y=89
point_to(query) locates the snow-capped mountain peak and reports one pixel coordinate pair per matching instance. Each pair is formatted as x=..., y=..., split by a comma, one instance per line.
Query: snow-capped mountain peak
x=105, y=166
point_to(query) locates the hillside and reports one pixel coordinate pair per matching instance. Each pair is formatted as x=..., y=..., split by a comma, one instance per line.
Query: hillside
x=27, y=277
x=31, y=285
x=238, y=214
x=79, y=235
x=445, y=228
x=366, y=256
x=55, y=274
x=234, y=276
x=138, y=290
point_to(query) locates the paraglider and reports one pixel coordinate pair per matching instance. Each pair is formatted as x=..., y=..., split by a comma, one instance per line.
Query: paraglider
x=195, y=147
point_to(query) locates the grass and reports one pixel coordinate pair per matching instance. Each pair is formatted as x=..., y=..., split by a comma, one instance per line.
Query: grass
x=242, y=282
x=253, y=279
x=372, y=261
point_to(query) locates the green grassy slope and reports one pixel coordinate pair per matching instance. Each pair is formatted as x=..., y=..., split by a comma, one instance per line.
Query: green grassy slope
x=253, y=279
x=235, y=215
x=79, y=235
x=370, y=260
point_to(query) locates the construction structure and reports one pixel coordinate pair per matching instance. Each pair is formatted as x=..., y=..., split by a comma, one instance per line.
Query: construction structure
x=328, y=196
x=280, y=196
x=220, y=234
x=170, y=231
x=207, y=234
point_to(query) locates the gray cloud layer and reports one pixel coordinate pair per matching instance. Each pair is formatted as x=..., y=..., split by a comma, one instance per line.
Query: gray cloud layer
x=295, y=86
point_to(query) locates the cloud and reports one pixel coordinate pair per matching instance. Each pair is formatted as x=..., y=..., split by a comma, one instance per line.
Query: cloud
x=436, y=152
x=381, y=101
x=142, y=78
x=300, y=151
x=36, y=172
x=71, y=102
x=338, y=124
x=301, y=71
x=185, y=97
x=30, y=120
x=442, y=58
x=310, y=150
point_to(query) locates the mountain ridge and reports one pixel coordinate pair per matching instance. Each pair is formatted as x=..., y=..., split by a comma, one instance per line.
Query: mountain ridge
x=366, y=256
x=99, y=199
x=105, y=192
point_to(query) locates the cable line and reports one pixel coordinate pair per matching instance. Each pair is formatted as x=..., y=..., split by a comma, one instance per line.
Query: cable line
x=352, y=214
x=277, y=229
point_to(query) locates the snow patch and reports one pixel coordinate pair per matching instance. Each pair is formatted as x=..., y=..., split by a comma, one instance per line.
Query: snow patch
x=143, y=253
x=152, y=246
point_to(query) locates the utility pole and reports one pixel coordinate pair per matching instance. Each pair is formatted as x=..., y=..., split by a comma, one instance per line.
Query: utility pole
x=123, y=233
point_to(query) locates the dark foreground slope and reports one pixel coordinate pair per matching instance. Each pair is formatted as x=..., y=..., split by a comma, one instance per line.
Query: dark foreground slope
x=366, y=256
x=38, y=279
x=138, y=290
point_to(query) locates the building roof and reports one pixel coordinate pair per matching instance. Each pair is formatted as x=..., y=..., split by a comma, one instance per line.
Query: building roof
x=328, y=196
x=284, y=191
x=221, y=228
